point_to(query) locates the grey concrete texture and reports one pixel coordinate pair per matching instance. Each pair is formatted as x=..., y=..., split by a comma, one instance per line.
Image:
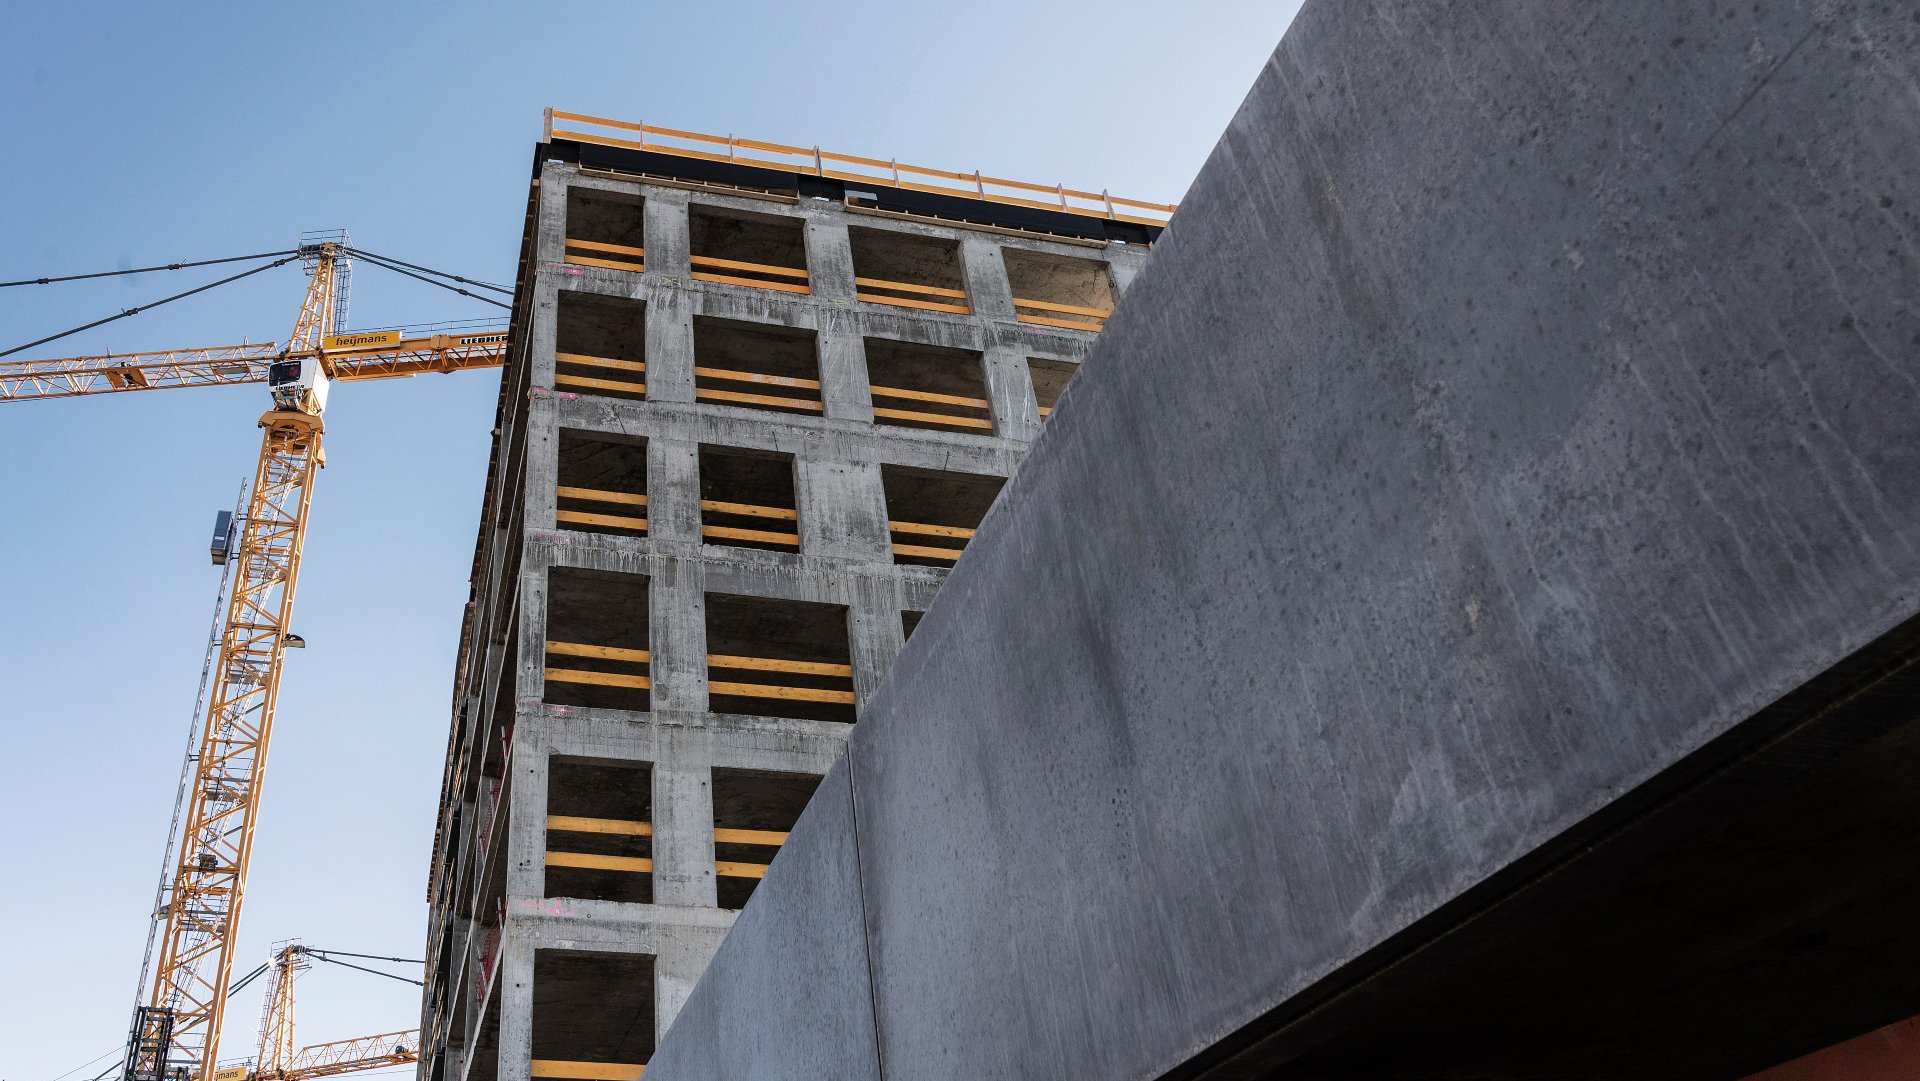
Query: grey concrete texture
x=812, y=966
x=1522, y=399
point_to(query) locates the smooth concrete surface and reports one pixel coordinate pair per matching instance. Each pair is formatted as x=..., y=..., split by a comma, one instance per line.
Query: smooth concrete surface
x=1503, y=468
x=812, y=965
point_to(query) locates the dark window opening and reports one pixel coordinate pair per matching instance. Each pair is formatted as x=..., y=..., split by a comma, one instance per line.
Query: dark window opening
x=597, y=647
x=600, y=345
x=606, y=229
x=757, y=365
x=753, y=812
x=602, y=484
x=747, y=499
x=923, y=386
x=734, y=247
x=593, y=1014
x=1059, y=290
x=932, y=515
x=599, y=830
x=908, y=270
x=778, y=658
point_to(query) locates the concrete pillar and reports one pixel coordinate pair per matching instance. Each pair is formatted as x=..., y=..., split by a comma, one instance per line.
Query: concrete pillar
x=843, y=510
x=673, y=493
x=526, y=819
x=844, y=384
x=1010, y=394
x=515, y=987
x=669, y=345
x=669, y=233
x=874, y=634
x=829, y=261
x=679, y=631
x=683, y=820
x=987, y=290
x=677, y=967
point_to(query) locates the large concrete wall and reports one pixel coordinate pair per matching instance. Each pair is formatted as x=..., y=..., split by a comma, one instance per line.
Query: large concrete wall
x=1517, y=418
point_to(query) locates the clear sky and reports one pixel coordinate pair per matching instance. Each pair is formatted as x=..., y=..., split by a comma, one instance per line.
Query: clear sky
x=140, y=133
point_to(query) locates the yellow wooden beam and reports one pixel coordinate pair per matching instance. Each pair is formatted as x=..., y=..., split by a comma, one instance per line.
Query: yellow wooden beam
x=931, y=530
x=931, y=418
x=771, y=664
x=618, y=521
x=598, y=496
x=727, y=532
x=591, y=861
x=587, y=1071
x=606, y=264
x=601, y=679
x=750, y=510
x=757, y=268
x=739, y=870
x=610, y=653
x=792, y=694
x=748, y=837
x=1067, y=309
x=930, y=396
x=617, y=826
x=726, y=279
x=923, y=305
x=565, y=380
x=923, y=550
x=600, y=362
x=758, y=399
x=904, y=287
x=601, y=245
x=734, y=376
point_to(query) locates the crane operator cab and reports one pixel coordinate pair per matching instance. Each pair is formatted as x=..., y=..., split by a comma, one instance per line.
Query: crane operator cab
x=298, y=384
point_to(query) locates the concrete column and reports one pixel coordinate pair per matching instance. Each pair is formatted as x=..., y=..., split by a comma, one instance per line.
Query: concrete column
x=542, y=470
x=677, y=967
x=515, y=988
x=679, y=631
x=669, y=233
x=683, y=820
x=550, y=233
x=541, y=333
x=843, y=510
x=1010, y=394
x=874, y=634
x=1123, y=268
x=673, y=492
x=830, y=261
x=670, y=345
x=530, y=678
x=844, y=385
x=987, y=289
x=526, y=822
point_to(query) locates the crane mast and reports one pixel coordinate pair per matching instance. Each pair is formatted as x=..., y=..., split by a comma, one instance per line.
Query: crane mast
x=176, y=1032
x=178, y=1016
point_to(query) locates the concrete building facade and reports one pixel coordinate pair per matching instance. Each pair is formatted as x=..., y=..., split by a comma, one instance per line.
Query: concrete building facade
x=750, y=418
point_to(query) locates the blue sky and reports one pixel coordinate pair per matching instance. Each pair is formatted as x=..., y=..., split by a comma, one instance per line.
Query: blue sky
x=148, y=133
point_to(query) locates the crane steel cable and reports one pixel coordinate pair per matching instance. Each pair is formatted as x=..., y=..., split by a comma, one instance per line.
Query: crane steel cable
x=322, y=955
x=150, y=305
x=376, y=261
x=113, y=1051
x=145, y=269
x=430, y=270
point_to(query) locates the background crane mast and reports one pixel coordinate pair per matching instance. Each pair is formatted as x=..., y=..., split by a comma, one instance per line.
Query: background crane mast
x=176, y=1027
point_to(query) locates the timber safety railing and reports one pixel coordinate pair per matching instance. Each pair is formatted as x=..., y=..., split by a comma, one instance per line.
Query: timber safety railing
x=603, y=504
x=931, y=409
x=607, y=375
x=598, y=253
x=785, y=279
x=568, y=1070
x=617, y=827
x=932, y=298
x=910, y=539
x=768, y=677
x=1066, y=316
x=813, y=161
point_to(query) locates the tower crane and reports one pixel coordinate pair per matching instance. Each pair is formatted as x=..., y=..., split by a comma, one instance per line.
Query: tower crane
x=277, y=1058
x=177, y=1022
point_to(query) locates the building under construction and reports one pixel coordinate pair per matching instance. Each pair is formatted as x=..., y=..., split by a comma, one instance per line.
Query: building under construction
x=759, y=398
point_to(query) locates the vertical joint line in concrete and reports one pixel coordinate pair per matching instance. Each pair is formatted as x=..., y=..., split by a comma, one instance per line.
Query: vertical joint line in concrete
x=866, y=934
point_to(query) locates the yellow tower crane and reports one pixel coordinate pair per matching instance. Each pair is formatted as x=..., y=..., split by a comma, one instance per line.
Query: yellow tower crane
x=279, y=1060
x=176, y=1028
